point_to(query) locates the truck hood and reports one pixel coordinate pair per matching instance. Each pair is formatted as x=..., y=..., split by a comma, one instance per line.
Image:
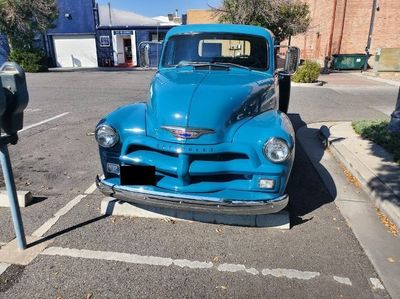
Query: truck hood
x=210, y=104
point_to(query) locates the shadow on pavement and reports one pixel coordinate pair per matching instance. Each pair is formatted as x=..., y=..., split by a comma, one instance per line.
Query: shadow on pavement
x=67, y=230
x=306, y=189
x=387, y=176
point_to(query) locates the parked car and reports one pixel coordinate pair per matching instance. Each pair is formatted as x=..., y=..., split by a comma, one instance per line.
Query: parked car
x=210, y=137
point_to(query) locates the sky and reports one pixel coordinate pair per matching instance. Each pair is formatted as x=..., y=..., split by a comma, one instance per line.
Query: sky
x=153, y=8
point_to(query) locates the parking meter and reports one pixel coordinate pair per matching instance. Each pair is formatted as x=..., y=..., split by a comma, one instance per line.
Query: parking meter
x=2, y=103
x=13, y=85
x=13, y=101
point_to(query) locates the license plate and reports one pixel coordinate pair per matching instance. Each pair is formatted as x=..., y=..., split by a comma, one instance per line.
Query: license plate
x=138, y=175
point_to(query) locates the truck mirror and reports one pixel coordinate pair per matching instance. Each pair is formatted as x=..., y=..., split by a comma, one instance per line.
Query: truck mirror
x=292, y=59
x=13, y=86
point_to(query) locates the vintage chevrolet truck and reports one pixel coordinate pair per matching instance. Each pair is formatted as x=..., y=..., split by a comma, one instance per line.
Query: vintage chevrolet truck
x=212, y=136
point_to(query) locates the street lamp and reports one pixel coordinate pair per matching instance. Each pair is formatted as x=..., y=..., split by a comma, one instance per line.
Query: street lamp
x=394, y=125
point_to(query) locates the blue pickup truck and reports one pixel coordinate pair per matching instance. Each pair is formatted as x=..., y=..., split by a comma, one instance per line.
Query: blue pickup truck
x=213, y=135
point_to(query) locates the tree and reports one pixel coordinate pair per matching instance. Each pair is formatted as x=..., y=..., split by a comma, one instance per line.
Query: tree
x=20, y=20
x=283, y=17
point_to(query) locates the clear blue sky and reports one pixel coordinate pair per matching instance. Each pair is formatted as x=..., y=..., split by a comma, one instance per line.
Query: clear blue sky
x=153, y=8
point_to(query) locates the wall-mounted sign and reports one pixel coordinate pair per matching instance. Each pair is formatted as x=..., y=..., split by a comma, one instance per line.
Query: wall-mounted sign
x=104, y=41
x=123, y=32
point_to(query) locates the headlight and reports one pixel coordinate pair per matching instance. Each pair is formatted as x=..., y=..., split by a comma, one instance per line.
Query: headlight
x=277, y=150
x=106, y=136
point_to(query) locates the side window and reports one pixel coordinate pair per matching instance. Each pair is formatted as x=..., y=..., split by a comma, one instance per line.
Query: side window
x=169, y=52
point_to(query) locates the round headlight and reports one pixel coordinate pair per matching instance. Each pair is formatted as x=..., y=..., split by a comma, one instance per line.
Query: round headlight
x=277, y=150
x=106, y=136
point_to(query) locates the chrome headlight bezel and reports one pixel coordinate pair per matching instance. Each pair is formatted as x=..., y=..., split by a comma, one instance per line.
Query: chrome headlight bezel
x=276, y=142
x=104, y=131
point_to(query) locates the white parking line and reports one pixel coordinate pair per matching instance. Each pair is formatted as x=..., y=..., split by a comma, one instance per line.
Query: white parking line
x=376, y=284
x=343, y=280
x=64, y=210
x=183, y=263
x=91, y=189
x=3, y=267
x=43, y=122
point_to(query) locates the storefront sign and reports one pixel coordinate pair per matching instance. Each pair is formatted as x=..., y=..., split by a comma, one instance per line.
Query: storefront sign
x=123, y=32
x=104, y=41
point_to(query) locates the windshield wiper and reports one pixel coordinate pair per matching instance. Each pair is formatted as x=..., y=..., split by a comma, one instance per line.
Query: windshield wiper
x=204, y=64
x=232, y=64
x=191, y=63
x=197, y=64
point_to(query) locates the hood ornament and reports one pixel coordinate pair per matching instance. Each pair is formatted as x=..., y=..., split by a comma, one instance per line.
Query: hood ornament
x=187, y=133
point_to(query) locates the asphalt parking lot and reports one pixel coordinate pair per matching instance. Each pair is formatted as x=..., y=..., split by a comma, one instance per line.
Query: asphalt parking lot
x=94, y=256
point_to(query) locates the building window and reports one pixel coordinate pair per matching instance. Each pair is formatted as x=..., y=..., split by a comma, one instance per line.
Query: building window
x=161, y=36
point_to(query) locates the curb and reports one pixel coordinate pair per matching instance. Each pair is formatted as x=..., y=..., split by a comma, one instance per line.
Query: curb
x=382, y=195
x=100, y=69
x=314, y=84
x=378, y=79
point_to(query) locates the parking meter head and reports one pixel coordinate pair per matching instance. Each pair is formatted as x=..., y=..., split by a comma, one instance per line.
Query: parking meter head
x=13, y=85
x=2, y=103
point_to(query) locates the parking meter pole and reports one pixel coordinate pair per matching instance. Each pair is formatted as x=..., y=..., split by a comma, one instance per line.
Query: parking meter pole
x=12, y=196
x=394, y=125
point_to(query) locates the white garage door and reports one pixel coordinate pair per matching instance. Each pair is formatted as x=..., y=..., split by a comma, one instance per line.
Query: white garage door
x=75, y=51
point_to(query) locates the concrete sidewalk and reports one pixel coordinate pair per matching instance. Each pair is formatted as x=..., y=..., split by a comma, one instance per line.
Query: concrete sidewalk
x=388, y=78
x=381, y=246
x=371, y=165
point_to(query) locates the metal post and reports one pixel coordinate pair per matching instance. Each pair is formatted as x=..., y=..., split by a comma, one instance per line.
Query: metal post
x=12, y=196
x=394, y=125
x=371, y=29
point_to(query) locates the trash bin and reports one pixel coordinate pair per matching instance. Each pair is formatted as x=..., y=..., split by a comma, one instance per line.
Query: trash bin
x=348, y=61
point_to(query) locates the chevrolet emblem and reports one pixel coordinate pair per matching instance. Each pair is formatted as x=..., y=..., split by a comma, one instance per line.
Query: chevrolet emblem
x=187, y=133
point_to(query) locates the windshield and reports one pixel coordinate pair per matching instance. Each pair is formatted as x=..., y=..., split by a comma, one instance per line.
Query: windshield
x=234, y=49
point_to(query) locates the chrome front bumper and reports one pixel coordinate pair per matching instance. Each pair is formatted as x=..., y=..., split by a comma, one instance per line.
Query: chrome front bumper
x=191, y=202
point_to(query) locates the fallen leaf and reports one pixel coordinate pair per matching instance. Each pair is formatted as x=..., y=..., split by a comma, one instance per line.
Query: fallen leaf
x=216, y=259
x=219, y=230
x=89, y=296
x=391, y=259
x=391, y=227
x=169, y=220
x=113, y=220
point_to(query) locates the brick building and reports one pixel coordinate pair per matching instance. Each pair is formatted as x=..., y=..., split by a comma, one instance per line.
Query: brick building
x=201, y=16
x=342, y=26
x=338, y=27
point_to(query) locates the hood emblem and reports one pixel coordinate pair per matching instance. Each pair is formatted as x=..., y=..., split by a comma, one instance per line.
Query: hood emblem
x=187, y=133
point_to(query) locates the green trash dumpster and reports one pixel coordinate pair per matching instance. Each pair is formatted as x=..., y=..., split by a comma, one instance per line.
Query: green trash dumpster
x=348, y=61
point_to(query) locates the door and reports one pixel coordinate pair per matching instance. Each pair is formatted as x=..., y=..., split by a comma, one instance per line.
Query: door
x=128, y=50
x=75, y=51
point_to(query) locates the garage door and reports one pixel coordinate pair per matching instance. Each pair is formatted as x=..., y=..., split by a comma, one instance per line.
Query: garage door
x=75, y=51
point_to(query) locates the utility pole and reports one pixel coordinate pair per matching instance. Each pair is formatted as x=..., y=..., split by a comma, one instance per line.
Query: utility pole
x=371, y=29
x=394, y=125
